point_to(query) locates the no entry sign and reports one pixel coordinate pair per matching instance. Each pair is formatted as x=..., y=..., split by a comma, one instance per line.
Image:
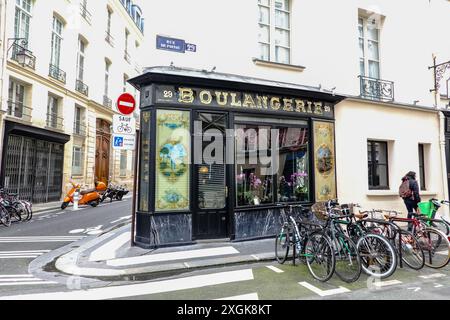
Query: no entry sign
x=126, y=104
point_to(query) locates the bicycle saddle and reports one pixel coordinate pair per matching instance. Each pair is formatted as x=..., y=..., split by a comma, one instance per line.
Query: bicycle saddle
x=361, y=216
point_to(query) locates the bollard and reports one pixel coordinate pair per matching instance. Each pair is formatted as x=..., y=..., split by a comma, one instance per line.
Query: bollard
x=76, y=198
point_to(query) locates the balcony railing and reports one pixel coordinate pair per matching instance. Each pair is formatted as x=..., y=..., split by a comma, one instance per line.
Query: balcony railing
x=127, y=56
x=109, y=38
x=23, y=56
x=82, y=87
x=107, y=102
x=19, y=111
x=79, y=129
x=57, y=73
x=85, y=13
x=377, y=89
x=54, y=121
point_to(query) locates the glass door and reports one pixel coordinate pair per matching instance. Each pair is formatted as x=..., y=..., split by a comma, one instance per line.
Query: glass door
x=210, y=219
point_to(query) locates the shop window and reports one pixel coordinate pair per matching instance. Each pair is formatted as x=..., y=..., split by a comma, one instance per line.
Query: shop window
x=293, y=173
x=378, y=165
x=272, y=159
x=172, y=160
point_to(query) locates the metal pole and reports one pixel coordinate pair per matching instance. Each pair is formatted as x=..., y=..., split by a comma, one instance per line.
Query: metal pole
x=135, y=186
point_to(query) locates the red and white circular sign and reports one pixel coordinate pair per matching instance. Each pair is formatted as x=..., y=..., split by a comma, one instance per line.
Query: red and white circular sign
x=126, y=104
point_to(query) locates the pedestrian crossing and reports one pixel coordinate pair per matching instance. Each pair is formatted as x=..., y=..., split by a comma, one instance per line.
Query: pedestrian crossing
x=40, y=239
x=22, y=280
x=27, y=254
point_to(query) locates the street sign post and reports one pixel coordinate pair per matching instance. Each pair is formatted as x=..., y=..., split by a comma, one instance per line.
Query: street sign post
x=126, y=104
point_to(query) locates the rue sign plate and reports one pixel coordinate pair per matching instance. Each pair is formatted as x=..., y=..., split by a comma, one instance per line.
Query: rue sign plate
x=124, y=142
x=124, y=125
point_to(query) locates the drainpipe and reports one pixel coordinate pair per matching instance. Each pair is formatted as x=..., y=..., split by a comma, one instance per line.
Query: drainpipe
x=442, y=146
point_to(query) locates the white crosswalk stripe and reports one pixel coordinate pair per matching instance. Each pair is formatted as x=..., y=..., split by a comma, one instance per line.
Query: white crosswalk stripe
x=21, y=280
x=39, y=239
x=22, y=254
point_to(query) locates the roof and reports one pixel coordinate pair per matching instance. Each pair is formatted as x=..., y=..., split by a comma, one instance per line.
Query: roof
x=205, y=78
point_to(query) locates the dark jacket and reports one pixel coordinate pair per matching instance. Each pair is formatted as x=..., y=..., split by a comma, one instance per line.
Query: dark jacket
x=414, y=186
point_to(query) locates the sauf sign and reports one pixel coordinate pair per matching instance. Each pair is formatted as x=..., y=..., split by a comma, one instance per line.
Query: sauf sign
x=242, y=100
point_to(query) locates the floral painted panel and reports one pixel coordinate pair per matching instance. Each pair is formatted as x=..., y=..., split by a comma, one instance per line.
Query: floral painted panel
x=324, y=161
x=172, y=160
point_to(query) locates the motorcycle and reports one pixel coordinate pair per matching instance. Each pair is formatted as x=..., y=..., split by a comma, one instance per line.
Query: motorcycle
x=121, y=192
x=109, y=193
x=86, y=197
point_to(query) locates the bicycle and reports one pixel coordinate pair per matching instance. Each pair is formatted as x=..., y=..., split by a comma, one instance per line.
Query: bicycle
x=308, y=242
x=434, y=243
x=407, y=246
x=378, y=255
x=348, y=262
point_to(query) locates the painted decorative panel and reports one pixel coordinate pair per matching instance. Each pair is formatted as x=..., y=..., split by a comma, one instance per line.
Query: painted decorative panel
x=324, y=161
x=172, y=160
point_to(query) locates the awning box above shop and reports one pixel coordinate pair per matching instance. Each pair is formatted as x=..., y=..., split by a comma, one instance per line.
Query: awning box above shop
x=204, y=78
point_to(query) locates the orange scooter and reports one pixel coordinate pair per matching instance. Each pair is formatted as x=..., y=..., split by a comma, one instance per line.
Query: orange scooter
x=86, y=197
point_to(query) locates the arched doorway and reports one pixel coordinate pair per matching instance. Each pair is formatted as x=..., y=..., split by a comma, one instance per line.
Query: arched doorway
x=103, y=150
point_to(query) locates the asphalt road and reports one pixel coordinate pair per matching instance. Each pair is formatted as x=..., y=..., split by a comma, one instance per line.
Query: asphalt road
x=25, y=241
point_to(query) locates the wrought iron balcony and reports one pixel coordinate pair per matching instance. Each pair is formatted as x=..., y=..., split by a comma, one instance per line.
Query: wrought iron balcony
x=127, y=56
x=85, y=13
x=19, y=111
x=57, y=73
x=109, y=38
x=54, y=121
x=23, y=56
x=377, y=89
x=107, y=102
x=79, y=128
x=82, y=87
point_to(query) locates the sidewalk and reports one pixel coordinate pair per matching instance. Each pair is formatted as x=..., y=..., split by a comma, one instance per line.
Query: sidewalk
x=110, y=255
x=37, y=208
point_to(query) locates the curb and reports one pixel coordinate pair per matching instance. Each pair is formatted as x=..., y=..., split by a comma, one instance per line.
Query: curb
x=69, y=263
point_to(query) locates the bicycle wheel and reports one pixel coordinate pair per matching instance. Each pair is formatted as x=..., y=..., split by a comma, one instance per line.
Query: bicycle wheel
x=378, y=256
x=5, y=218
x=319, y=256
x=435, y=246
x=14, y=214
x=441, y=226
x=348, y=263
x=282, y=244
x=412, y=253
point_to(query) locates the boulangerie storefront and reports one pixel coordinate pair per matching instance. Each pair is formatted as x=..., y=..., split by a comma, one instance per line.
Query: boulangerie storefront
x=220, y=154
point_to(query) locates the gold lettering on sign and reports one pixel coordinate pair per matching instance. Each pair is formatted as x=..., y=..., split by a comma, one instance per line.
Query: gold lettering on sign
x=248, y=101
x=235, y=102
x=275, y=103
x=318, y=108
x=186, y=95
x=222, y=101
x=288, y=105
x=309, y=103
x=208, y=98
x=300, y=106
x=262, y=102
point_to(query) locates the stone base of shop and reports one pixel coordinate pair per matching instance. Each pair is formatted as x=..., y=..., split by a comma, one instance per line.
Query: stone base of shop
x=158, y=231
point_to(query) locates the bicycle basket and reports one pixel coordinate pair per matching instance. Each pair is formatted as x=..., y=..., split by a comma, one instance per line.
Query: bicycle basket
x=320, y=211
x=426, y=208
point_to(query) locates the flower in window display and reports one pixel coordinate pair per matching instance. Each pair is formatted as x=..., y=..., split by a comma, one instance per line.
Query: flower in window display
x=253, y=195
x=299, y=184
x=284, y=188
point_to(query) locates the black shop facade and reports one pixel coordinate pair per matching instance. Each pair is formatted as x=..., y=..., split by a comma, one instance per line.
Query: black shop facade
x=220, y=155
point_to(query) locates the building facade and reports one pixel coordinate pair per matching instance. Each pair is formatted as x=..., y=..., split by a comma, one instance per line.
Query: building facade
x=388, y=124
x=66, y=64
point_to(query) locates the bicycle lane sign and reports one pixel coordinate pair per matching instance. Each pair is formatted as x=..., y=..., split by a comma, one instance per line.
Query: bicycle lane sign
x=124, y=125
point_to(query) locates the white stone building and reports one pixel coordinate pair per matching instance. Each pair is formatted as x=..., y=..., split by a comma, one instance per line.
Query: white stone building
x=375, y=52
x=66, y=64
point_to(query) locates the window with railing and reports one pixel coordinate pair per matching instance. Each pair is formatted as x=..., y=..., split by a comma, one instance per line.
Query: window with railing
x=16, y=101
x=79, y=127
x=109, y=38
x=80, y=85
x=84, y=11
x=54, y=120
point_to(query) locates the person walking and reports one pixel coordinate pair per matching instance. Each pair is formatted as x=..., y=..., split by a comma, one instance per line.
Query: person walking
x=409, y=192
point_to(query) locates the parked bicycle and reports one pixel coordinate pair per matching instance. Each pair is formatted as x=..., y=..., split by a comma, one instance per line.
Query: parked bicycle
x=308, y=242
x=12, y=209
